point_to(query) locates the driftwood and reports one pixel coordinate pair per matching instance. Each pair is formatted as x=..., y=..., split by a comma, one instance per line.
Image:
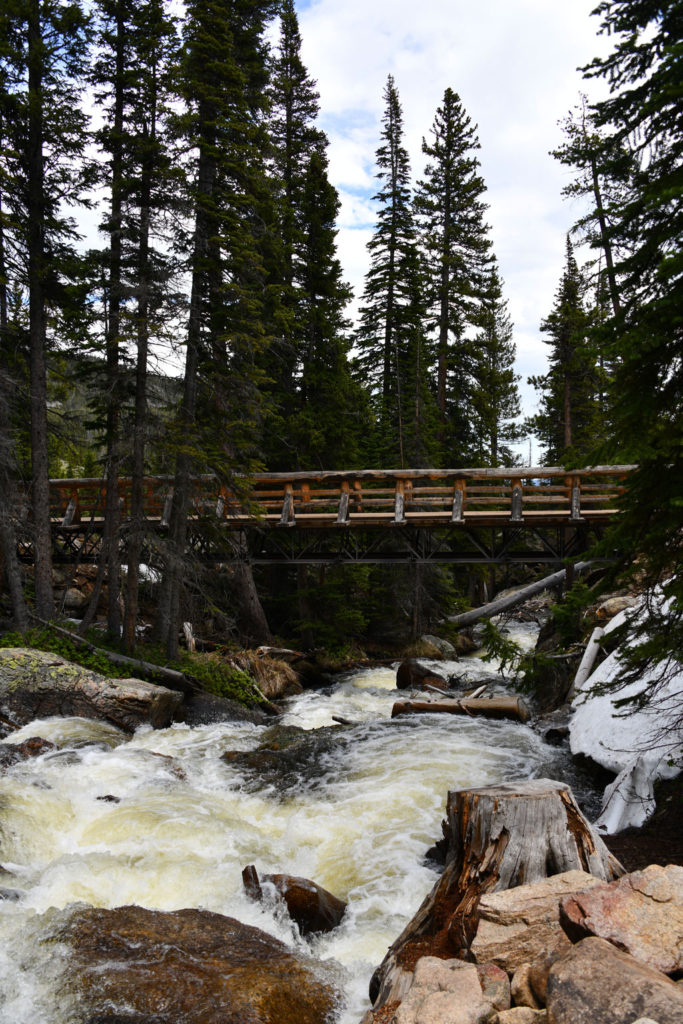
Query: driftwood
x=498, y=837
x=587, y=662
x=503, y=604
x=173, y=679
x=490, y=707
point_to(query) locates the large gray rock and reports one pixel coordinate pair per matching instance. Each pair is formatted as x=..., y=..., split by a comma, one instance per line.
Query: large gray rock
x=519, y=925
x=191, y=966
x=595, y=983
x=641, y=913
x=36, y=684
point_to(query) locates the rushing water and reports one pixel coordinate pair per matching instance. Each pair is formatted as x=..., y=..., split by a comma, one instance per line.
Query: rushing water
x=183, y=824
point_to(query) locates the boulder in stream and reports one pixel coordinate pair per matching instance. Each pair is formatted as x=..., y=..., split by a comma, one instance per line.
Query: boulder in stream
x=145, y=966
x=289, y=756
x=36, y=684
x=313, y=908
x=413, y=675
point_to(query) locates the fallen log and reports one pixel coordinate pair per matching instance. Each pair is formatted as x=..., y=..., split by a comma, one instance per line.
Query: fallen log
x=503, y=604
x=587, y=662
x=498, y=837
x=512, y=708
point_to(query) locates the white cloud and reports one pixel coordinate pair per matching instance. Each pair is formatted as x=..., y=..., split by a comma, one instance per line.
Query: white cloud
x=514, y=64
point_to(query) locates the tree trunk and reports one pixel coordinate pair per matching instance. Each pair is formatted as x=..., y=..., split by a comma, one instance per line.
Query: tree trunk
x=40, y=479
x=503, y=604
x=498, y=837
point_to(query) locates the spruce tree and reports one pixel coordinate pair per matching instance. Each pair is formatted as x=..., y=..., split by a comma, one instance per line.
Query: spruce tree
x=222, y=81
x=645, y=337
x=567, y=419
x=455, y=247
x=42, y=57
x=495, y=399
x=394, y=357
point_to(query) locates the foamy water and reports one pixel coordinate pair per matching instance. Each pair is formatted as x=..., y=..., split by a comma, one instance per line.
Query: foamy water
x=161, y=821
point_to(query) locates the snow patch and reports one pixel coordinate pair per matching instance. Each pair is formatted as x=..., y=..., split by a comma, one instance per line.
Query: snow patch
x=640, y=746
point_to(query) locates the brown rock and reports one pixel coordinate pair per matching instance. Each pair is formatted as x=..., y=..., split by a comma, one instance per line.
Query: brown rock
x=411, y=675
x=495, y=985
x=313, y=908
x=188, y=965
x=521, y=990
x=444, y=992
x=11, y=753
x=520, y=1015
x=35, y=684
x=641, y=913
x=595, y=983
x=521, y=925
x=538, y=974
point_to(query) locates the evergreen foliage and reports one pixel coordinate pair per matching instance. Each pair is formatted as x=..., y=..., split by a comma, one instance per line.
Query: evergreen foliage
x=567, y=423
x=644, y=114
x=394, y=355
x=455, y=248
x=495, y=396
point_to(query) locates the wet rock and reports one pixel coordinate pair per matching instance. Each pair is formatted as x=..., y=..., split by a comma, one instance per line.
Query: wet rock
x=466, y=643
x=207, y=709
x=35, y=684
x=444, y=647
x=313, y=908
x=520, y=925
x=611, y=606
x=10, y=895
x=412, y=675
x=289, y=756
x=137, y=965
x=595, y=983
x=641, y=913
x=12, y=753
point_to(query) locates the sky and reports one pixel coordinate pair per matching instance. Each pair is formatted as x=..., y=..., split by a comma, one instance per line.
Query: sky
x=514, y=65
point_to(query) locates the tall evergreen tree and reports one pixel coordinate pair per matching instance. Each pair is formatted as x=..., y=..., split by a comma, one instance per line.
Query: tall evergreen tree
x=42, y=56
x=495, y=399
x=566, y=422
x=223, y=80
x=455, y=246
x=644, y=114
x=394, y=357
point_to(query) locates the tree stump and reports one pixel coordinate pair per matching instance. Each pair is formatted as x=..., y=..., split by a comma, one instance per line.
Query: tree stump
x=498, y=837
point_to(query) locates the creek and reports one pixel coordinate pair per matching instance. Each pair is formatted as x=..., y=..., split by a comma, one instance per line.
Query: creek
x=159, y=820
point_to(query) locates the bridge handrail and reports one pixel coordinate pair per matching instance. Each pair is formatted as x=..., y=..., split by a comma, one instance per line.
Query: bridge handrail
x=342, y=495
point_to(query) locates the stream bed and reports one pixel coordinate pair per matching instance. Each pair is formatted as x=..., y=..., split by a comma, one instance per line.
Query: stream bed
x=160, y=820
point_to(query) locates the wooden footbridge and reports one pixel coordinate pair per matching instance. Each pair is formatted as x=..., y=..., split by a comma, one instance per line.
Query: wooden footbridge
x=469, y=516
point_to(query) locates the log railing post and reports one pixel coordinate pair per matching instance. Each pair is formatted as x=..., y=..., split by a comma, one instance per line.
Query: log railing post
x=166, y=512
x=575, y=498
x=287, y=517
x=358, y=495
x=516, y=501
x=343, y=513
x=399, y=503
x=458, y=501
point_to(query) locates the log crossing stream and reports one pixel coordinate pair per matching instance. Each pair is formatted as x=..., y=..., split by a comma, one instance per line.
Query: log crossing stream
x=159, y=819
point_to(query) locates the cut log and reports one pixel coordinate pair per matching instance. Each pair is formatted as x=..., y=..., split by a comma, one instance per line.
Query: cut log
x=487, y=611
x=492, y=707
x=499, y=837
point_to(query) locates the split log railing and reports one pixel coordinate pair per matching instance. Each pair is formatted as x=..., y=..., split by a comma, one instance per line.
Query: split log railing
x=467, y=515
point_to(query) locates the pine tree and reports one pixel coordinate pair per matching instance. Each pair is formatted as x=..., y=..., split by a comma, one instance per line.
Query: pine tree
x=44, y=127
x=394, y=357
x=566, y=422
x=495, y=400
x=453, y=238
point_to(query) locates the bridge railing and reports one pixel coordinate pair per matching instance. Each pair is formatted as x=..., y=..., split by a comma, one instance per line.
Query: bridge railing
x=340, y=498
